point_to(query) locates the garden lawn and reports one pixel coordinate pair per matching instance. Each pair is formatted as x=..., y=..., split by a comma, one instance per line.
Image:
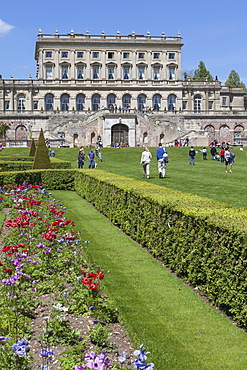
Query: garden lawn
x=206, y=179
x=179, y=329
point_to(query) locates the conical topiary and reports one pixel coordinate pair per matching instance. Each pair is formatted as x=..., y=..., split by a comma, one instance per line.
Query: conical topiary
x=32, y=149
x=41, y=159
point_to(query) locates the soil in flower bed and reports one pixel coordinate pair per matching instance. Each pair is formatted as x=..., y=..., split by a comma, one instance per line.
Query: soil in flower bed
x=119, y=339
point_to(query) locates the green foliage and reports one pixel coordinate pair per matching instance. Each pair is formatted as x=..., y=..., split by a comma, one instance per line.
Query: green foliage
x=32, y=149
x=202, y=74
x=233, y=80
x=3, y=128
x=41, y=159
x=99, y=335
x=72, y=356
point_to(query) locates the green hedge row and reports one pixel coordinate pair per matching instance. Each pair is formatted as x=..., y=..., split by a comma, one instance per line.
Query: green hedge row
x=202, y=240
x=62, y=179
x=10, y=165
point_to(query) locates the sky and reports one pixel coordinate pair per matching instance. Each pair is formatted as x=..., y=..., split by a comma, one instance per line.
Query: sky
x=213, y=31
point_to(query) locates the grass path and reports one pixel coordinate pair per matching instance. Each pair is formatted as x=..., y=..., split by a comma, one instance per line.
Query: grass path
x=179, y=329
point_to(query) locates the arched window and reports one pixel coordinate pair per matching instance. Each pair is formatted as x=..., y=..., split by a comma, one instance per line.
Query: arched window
x=126, y=101
x=49, y=101
x=111, y=99
x=80, y=101
x=171, y=102
x=21, y=102
x=197, y=103
x=95, y=102
x=64, y=102
x=156, y=102
x=141, y=101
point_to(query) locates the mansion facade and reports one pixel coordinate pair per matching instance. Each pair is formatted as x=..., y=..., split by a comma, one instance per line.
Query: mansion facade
x=125, y=89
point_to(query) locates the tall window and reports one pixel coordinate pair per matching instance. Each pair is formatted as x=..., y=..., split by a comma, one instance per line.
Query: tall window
x=171, y=102
x=21, y=102
x=172, y=73
x=141, y=101
x=80, y=73
x=224, y=100
x=49, y=101
x=48, y=72
x=111, y=99
x=126, y=100
x=141, y=73
x=156, y=72
x=65, y=102
x=110, y=73
x=65, y=73
x=156, y=102
x=95, y=102
x=80, y=101
x=126, y=73
x=95, y=73
x=197, y=103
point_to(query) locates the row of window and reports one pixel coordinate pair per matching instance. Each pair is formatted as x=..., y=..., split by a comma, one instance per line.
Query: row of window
x=111, y=75
x=110, y=55
x=111, y=102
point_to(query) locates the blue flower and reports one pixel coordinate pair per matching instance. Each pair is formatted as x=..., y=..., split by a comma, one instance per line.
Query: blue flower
x=45, y=353
x=20, y=348
x=123, y=358
x=2, y=339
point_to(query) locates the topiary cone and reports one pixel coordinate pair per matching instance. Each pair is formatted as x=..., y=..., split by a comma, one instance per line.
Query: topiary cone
x=41, y=159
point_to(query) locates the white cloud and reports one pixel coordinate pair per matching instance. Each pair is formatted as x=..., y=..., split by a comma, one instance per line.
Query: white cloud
x=4, y=27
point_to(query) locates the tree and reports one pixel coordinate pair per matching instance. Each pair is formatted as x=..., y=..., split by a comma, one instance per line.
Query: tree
x=41, y=159
x=202, y=74
x=233, y=80
x=3, y=128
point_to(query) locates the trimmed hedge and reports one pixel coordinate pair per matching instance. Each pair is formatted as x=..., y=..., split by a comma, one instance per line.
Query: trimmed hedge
x=62, y=179
x=18, y=165
x=202, y=240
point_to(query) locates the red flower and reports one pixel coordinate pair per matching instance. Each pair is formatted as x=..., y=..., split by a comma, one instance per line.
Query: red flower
x=92, y=275
x=101, y=275
x=93, y=286
x=86, y=281
x=9, y=271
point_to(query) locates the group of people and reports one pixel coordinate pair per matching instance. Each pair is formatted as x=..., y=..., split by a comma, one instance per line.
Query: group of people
x=91, y=157
x=226, y=156
x=162, y=158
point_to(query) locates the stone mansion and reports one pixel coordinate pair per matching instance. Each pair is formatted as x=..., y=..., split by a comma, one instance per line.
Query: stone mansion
x=125, y=89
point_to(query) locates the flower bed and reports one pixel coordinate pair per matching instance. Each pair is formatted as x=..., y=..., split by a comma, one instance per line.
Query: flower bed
x=51, y=293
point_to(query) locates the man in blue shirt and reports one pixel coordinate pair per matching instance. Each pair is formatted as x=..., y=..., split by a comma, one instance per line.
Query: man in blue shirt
x=90, y=156
x=161, y=161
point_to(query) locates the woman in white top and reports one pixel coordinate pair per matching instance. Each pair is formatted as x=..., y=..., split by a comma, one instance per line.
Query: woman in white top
x=145, y=163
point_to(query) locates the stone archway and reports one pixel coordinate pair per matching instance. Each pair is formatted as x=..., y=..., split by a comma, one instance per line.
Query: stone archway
x=21, y=133
x=211, y=132
x=119, y=134
x=224, y=134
